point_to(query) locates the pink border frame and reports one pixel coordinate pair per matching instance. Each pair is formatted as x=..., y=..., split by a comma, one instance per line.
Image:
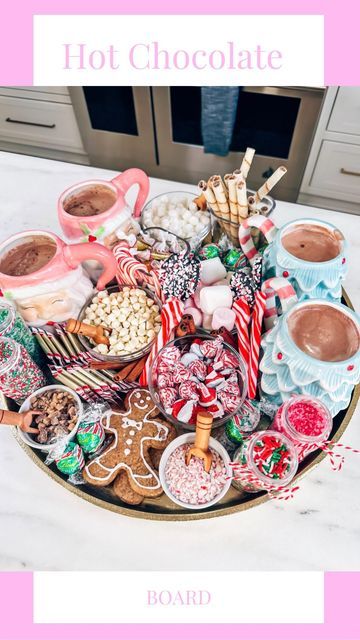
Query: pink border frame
x=341, y=619
x=342, y=43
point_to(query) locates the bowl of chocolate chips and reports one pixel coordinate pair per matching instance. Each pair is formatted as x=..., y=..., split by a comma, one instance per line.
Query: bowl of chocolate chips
x=59, y=412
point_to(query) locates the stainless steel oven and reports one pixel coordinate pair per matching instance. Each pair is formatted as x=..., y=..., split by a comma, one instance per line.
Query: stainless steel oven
x=159, y=128
x=278, y=122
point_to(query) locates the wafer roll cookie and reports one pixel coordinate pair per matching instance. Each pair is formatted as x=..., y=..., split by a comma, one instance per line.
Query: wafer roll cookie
x=270, y=183
x=234, y=217
x=209, y=195
x=241, y=194
x=221, y=197
x=247, y=161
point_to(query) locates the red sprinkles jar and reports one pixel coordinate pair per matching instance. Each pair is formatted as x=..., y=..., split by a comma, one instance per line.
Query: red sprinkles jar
x=306, y=421
x=19, y=375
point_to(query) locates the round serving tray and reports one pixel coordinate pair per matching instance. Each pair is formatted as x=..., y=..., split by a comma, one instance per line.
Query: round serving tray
x=162, y=508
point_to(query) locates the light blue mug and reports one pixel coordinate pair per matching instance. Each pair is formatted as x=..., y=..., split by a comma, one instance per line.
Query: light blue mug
x=320, y=278
x=287, y=369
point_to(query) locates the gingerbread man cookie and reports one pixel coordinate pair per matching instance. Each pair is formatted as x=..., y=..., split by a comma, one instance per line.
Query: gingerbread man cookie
x=135, y=430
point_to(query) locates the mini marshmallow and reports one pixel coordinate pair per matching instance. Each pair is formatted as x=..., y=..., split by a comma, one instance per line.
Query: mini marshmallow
x=223, y=317
x=212, y=298
x=196, y=314
x=212, y=270
x=177, y=214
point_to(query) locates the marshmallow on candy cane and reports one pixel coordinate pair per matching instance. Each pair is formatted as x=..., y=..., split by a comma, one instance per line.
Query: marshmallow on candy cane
x=171, y=314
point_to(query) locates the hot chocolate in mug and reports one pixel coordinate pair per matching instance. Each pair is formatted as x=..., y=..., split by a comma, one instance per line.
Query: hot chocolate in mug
x=43, y=275
x=312, y=349
x=97, y=209
x=309, y=252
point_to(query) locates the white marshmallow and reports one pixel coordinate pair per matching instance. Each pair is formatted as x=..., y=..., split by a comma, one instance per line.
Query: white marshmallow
x=212, y=298
x=212, y=270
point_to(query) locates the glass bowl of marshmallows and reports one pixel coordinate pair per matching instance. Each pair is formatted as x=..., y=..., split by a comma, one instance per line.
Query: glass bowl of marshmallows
x=131, y=318
x=178, y=212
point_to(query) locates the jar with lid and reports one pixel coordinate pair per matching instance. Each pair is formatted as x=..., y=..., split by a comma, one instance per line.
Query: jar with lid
x=19, y=374
x=306, y=421
x=267, y=460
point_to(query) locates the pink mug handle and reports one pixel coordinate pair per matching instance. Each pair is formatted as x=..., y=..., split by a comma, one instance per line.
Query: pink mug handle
x=125, y=180
x=75, y=254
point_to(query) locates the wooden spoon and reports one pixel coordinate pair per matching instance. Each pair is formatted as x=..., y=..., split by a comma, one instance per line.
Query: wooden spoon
x=88, y=330
x=200, y=449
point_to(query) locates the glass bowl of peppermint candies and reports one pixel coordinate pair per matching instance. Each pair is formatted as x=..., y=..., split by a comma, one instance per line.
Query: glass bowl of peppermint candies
x=194, y=373
x=178, y=212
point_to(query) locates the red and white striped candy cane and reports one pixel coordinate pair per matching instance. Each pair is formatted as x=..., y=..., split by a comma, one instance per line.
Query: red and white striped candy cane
x=282, y=288
x=129, y=269
x=156, y=286
x=171, y=314
x=265, y=225
x=255, y=339
x=242, y=321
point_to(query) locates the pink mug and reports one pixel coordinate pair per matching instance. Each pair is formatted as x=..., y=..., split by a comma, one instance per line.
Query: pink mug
x=44, y=278
x=115, y=219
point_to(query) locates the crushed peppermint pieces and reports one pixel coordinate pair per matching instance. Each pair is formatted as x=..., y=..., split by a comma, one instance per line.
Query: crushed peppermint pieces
x=191, y=484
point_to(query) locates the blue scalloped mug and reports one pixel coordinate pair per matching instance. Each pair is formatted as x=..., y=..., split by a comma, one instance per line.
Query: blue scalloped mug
x=311, y=279
x=327, y=367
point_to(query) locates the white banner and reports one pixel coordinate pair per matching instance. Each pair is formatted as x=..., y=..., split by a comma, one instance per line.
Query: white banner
x=179, y=597
x=179, y=50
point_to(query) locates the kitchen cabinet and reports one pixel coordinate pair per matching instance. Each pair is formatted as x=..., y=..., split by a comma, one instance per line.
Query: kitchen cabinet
x=40, y=121
x=332, y=175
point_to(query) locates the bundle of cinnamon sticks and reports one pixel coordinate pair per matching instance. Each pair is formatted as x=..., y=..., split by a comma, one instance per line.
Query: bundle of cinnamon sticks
x=227, y=197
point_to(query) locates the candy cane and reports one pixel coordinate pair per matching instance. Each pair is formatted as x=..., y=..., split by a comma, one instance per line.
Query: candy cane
x=171, y=314
x=265, y=225
x=286, y=293
x=242, y=319
x=157, y=287
x=129, y=269
x=255, y=338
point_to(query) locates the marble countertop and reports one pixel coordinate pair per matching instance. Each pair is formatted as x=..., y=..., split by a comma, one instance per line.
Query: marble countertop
x=42, y=526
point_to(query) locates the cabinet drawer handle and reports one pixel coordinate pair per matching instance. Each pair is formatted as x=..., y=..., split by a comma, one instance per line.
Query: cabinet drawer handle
x=31, y=124
x=350, y=173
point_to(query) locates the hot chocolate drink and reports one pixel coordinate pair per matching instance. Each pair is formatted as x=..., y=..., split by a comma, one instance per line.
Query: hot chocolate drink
x=30, y=256
x=324, y=332
x=312, y=243
x=90, y=201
